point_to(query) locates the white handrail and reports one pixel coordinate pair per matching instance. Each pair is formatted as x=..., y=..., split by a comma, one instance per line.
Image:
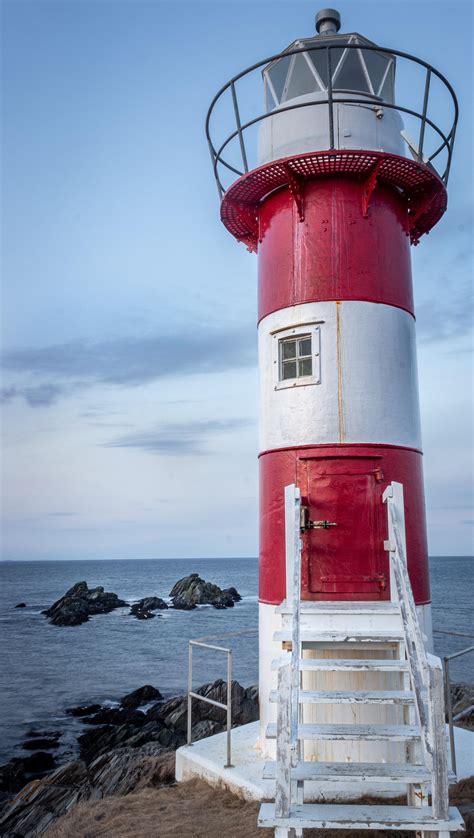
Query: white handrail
x=425, y=670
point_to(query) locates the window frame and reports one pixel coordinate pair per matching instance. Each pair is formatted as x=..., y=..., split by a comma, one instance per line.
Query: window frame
x=279, y=337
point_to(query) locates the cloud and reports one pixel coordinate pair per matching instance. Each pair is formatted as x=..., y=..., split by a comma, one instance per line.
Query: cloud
x=177, y=439
x=42, y=395
x=126, y=362
x=445, y=318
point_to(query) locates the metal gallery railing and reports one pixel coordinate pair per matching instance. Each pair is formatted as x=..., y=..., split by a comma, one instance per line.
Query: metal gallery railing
x=229, y=92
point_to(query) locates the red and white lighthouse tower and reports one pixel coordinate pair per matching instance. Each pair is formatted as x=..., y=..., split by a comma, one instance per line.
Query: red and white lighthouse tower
x=338, y=194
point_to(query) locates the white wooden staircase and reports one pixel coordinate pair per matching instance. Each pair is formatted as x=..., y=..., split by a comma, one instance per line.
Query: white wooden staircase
x=383, y=641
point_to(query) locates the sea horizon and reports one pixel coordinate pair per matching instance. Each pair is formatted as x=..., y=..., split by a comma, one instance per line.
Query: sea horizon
x=193, y=558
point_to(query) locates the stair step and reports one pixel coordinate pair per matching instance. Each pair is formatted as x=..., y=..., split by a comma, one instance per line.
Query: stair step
x=370, y=733
x=308, y=607
x=369, y=636
x=374, y=771
x=347, y=665
x=352, y=697
x=350, y=816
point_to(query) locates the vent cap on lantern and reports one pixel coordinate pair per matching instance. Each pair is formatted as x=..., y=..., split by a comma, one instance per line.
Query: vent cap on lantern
x=328, y=22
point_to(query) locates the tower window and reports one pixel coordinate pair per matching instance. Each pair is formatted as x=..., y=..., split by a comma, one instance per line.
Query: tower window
x=295, y=357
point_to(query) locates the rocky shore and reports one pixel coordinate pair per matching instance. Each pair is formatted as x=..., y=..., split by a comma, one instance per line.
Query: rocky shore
x=121, y=749
x=81, y=602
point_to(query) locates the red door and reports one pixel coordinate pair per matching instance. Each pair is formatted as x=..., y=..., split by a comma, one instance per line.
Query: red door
x=346, y=561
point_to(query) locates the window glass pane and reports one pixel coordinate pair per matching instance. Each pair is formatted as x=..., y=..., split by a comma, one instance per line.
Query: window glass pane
x=305, y=367
x=351, y=75
x=301, y=80
x=304, y=347
x=288, y=370
x=278, y=74
x=288, y=349
x=376, y=65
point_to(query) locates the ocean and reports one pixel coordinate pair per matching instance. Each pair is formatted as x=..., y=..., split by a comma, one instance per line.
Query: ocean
x=45, y=669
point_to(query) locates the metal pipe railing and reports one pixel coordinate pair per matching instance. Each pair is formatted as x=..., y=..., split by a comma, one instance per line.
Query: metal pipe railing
x=227, y=707
x=449, y=702
x=204, y=644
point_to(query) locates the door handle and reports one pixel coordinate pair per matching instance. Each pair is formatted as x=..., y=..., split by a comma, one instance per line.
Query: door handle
x=321, y=525
x=306, y=524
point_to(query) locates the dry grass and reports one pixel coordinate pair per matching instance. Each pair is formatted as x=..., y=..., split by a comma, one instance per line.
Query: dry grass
x=196, y=810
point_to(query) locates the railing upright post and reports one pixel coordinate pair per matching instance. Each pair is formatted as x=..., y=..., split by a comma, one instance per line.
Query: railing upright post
x=229, y=708
x=239, y=127
x=423, y=116
x=190, y=698
x=330, y=103
x=449, y=708
x=437, y=734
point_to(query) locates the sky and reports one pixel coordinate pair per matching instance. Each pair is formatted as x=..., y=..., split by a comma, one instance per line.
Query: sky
x=129, y=383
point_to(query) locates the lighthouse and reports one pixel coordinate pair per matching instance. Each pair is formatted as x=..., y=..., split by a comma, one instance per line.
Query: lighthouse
x=329, y=188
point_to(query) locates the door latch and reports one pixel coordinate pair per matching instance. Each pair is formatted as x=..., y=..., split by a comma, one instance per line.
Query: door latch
x=306, y=524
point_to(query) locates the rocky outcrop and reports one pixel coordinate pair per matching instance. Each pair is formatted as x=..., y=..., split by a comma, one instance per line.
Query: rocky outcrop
x=80, y=602
x=141, y=696
x=84, y=710
x=21, y=605
x=192, y=591
x=144, y=608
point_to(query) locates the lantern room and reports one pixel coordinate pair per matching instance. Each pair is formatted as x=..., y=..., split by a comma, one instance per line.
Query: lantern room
x=359, y=78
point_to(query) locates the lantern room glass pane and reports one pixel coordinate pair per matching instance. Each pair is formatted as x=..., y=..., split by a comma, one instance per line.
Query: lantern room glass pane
x=278, y=74
x=376, y=64
x=388, y=86
x=302, y=80
x=319, y=59
x=351, y=75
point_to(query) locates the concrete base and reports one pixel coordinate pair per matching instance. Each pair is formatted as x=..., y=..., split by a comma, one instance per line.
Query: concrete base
x=205, y=760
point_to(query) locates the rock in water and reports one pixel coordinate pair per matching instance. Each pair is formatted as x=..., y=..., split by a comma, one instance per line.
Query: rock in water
x=141, y=696
x=79, y=602
x=192, y=590
x=21, y=605
x=143, y=609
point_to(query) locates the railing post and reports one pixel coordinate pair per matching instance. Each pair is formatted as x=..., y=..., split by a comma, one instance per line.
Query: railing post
x=437, y=734
x=190, y=698
x=449, y=707
x=330, y=105
x=239, y=127
x=423, y=116
x=283, y=743
x=229, y=708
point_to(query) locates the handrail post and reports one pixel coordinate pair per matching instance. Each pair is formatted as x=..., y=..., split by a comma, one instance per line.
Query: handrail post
x=330, y=103
x=229, y=709
x=283, y=743
x=190, y=698
x=239, y=127
x=437, y=735
x=449, y=708
x=423, y=116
